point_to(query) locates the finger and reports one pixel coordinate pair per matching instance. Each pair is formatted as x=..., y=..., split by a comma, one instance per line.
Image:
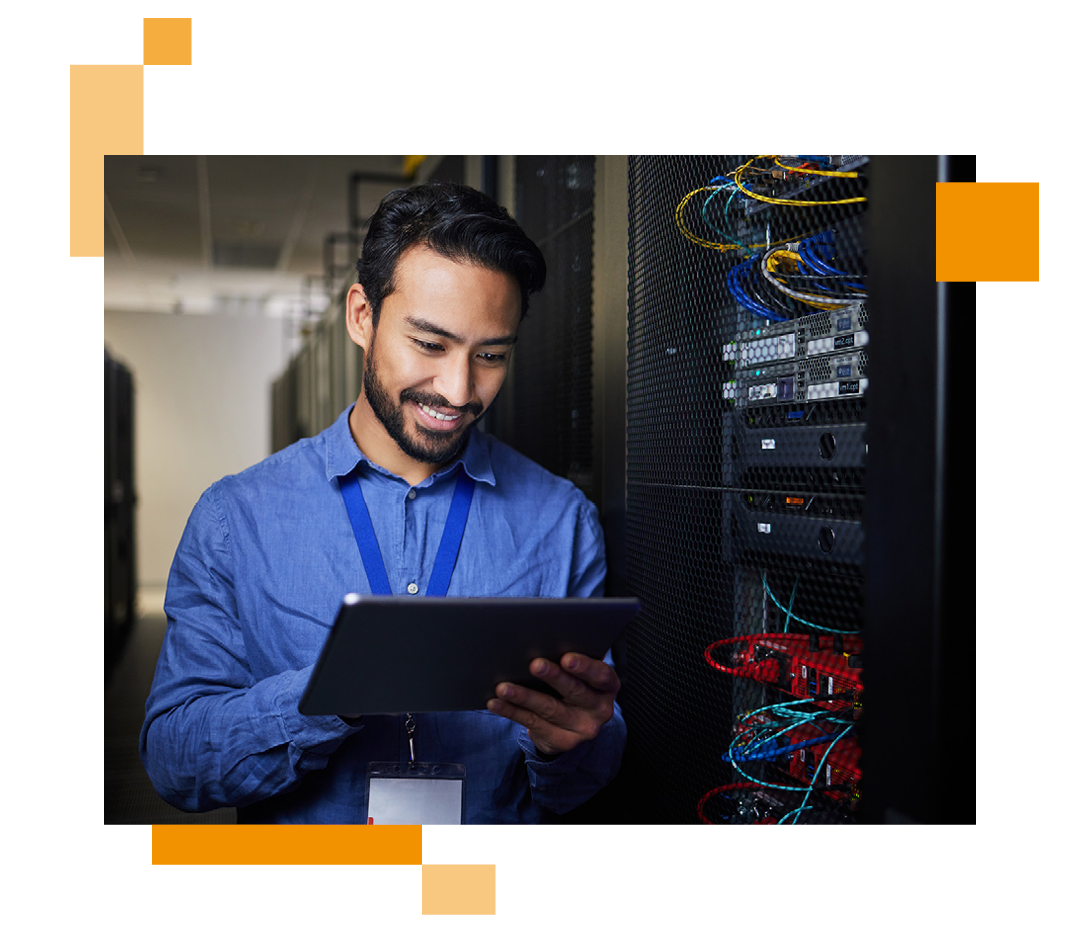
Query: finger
x=571, y=688
x=597, y=674
x=534, y=708
x=552, y=725
x=547, y=738
x=582, y=709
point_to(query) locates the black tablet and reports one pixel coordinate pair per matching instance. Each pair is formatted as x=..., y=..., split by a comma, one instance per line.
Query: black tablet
x=394, y=654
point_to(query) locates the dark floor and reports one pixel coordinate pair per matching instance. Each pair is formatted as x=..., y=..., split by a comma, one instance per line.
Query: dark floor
x=129, y=797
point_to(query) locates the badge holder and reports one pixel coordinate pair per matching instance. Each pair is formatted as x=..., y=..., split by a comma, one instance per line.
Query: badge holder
x=415, y=794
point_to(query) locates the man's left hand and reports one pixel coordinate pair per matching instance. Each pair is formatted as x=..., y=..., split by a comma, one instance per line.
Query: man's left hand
x=588, y=688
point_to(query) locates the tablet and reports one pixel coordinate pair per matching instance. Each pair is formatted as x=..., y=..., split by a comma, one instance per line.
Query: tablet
x=395, y=654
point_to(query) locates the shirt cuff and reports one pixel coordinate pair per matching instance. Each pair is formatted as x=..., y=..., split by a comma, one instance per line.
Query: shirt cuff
x=320, y=734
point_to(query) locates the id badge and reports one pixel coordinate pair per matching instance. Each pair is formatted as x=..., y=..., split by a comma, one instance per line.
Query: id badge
x=415, y=794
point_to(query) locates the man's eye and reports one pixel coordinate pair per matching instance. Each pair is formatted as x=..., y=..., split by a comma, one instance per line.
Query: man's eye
x=492, y=358
x=427, y=346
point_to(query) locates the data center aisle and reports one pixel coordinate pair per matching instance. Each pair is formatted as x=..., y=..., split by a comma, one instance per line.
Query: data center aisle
x=129, y=797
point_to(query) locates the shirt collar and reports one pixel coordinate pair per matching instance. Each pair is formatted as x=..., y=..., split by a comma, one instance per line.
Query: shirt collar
x=342, y=454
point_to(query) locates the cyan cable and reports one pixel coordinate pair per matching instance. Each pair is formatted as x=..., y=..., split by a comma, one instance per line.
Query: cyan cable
x=723, y=234
x=791, y=602
x=791, y=615
x=821, y=764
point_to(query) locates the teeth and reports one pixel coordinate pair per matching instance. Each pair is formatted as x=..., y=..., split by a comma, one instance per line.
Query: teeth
x=437, y=415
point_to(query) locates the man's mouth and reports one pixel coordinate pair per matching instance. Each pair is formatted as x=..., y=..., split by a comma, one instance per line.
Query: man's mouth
x=447, y=419
x=435, y=414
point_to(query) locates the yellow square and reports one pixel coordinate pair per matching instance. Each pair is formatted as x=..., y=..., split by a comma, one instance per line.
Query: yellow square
x=459, y=889
x=166, y=41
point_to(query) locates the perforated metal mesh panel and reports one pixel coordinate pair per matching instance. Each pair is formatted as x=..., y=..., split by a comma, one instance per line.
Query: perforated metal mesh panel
x=747, y=379
x=552, y=396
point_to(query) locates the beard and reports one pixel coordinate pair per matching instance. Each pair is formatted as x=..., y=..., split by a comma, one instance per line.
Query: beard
x=426, y=446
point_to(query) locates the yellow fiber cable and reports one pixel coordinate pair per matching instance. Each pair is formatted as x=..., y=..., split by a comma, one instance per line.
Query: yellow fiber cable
x=823, y=302
x=736, y=176
x=681, y=226
x=705, y=243
x=789, y=167
x=776, y=256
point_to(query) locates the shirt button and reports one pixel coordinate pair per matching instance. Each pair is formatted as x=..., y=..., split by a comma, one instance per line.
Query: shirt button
x=413, y=588
x=412, y=494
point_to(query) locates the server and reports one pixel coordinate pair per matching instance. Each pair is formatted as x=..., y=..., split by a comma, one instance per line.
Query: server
x=120, y=575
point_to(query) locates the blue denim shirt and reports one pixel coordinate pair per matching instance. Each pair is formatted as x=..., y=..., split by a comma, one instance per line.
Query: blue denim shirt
x=257, y=580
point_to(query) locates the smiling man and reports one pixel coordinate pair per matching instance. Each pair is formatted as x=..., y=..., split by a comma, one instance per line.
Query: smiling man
x=447, y=332
x=268, y=554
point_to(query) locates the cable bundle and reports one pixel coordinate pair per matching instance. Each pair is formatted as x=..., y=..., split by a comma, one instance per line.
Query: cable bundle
x=750, y=167
x=797, y=271
x=730, y=240
x=777, y=731
x=786, y=267
x=747, y=182
x=774, y=733
x=792, y=276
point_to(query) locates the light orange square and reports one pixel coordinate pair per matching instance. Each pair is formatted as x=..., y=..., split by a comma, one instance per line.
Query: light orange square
x=167, y=41
x=459, y=889
x=106, y=119
x=988, y=231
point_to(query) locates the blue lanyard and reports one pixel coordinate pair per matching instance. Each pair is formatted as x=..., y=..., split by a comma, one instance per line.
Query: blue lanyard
x=368, y=544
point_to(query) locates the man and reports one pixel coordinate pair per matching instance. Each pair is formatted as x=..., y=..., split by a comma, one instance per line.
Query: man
x=268, y=555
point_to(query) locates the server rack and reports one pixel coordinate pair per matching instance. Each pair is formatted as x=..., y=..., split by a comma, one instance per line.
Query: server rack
x=748, y=377
x=553, y=377
x=802, y=622
x=120, y=500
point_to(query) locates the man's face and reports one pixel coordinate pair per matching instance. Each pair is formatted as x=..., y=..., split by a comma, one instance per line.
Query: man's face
x=440, y=353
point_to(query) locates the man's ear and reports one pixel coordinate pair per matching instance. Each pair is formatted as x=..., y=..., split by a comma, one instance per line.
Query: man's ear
x=358, y=320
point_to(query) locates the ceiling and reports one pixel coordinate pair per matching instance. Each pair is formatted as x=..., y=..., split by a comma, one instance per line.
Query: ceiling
x=242, y=235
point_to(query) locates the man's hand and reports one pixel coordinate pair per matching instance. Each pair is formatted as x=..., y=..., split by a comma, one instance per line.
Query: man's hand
x=588, y=688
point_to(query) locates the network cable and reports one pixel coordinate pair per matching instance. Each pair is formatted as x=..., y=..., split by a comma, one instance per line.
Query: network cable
x=818, y=302
x=790, y=616
x=750, y=752
x=817, y=772
x=802, y=169
x=764, y=743
x=807, y=251
x=737, y=176
x=739, y=279
x=718, y=184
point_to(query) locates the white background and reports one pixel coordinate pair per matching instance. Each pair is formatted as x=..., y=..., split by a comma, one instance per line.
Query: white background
x=675, y=77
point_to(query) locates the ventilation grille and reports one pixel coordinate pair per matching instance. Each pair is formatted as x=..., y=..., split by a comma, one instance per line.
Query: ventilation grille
x=741, y=519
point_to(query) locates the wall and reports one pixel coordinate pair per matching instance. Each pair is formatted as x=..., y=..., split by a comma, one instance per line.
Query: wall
x=202, y=410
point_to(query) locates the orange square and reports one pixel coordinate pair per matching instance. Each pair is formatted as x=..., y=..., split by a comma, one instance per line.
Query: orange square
x=167, y=41
x=459, y=889
x=987, y=232
x=286, y=844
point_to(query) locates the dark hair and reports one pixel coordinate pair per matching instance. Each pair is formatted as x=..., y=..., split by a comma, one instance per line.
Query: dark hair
x=455, y=221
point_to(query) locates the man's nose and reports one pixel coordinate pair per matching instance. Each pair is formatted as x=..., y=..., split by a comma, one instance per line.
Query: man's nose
x=455, y=380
